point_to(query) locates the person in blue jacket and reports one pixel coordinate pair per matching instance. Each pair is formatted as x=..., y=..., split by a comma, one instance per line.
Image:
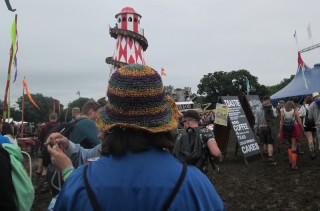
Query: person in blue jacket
x=135, y=171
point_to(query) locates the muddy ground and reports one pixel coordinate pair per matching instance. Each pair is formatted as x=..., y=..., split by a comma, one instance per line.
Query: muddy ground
x=257, y=186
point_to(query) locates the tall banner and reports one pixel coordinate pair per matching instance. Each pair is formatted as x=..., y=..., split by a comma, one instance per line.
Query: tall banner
x=6, y=105
x=25, y=86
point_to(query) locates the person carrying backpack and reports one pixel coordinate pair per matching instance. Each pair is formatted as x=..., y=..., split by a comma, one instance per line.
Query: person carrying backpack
x=309, y=126
x=195, y=144
x=315, y=114
x=135, y=171
x=264, y=123
x=290, y=128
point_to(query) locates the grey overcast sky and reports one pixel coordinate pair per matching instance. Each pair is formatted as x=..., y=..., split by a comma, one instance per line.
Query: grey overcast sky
x=63, y=43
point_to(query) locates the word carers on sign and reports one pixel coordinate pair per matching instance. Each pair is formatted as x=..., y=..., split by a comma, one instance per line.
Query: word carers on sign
x=241, y=127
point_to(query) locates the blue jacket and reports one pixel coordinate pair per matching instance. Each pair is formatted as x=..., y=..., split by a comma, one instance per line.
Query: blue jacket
x=138, y=181
x=4, y=140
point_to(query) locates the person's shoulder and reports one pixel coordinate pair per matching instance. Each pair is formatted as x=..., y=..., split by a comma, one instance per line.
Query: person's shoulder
x=84, y=121
x=196, y=179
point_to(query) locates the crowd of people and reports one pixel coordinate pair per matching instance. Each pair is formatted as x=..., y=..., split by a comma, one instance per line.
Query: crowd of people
x=124, y=150
x=131, y=149
x=296, y=120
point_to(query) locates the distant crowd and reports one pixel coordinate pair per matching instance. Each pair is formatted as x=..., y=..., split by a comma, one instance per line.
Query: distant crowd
x=130, y=154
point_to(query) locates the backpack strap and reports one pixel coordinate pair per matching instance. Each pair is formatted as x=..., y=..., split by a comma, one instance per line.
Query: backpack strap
x=90, y=193
x=174, y=192
x=176, y=188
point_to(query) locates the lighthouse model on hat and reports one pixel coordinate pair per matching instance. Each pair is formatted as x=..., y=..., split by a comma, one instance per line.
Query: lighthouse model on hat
x=130, y=39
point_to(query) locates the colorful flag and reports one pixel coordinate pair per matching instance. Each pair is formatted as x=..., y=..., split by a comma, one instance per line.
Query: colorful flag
x=14, y=38
x=309, y=31
x=28, y=94
x=163, y=72
x=301, y=66
x=6, y=101
x=247, y=85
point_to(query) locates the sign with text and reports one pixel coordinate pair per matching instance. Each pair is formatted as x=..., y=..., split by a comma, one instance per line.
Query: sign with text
x=185, y=105
x=221, y=114
x=241, y=127
x=254, y=102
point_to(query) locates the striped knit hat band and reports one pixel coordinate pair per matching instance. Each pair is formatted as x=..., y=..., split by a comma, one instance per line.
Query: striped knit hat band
x=136, y=99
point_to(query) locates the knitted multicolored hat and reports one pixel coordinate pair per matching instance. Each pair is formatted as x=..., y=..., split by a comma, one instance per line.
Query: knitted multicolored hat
x=136, y=99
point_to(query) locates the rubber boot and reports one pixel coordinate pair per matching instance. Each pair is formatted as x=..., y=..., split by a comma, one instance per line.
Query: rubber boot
x=312, y=152
x=294, y=160
x=290, y=156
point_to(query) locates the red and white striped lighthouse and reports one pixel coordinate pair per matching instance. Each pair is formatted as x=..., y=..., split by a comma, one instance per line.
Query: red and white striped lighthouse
x=131, y=42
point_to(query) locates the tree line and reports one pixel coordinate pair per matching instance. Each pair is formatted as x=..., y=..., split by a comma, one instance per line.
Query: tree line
x=211, y=86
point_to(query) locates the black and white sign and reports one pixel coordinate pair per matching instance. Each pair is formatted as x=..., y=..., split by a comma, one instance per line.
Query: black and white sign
x=254, y=103
x=241, y=127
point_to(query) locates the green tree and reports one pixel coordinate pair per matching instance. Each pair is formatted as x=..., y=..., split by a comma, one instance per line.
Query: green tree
x=168, y=89
x=31, y=113
x=78, y=102
x=232, y=83
x=274, y=89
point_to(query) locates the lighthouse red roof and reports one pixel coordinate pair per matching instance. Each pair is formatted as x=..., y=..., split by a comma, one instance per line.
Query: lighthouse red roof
x=128, y=10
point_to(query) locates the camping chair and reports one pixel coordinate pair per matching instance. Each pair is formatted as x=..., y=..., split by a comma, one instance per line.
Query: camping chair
x=30, y=162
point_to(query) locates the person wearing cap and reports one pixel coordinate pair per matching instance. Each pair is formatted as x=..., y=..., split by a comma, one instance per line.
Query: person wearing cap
x=314, y=113
x=191, y=119
x=135, y=172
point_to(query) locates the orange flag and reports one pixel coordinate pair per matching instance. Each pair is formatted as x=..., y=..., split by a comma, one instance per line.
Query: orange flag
x=28, y=94
x=163, y=72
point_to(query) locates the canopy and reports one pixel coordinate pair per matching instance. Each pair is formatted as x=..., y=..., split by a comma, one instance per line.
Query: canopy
x=305, y=82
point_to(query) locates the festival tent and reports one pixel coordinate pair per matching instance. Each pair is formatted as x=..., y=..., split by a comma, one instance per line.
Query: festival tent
x=305, y=82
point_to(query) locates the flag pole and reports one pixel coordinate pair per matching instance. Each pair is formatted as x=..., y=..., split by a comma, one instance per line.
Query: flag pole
x=22, y=112
x=6, y=96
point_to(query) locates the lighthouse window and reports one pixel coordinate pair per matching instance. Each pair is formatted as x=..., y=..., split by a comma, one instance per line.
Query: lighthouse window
x=130, y=19
x=135, y=20
x=124, y=19
x=119, y=20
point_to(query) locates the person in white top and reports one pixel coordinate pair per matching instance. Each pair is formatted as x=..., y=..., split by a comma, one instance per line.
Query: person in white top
x=309, y=132
x=291, y=112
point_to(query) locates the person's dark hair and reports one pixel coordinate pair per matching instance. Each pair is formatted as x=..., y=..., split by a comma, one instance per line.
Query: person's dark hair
x=91, y=104
x=296, y=100
x=192, y=114
x=6, y=129
x=308, y=100
x=118, y=140
x=265, y=98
